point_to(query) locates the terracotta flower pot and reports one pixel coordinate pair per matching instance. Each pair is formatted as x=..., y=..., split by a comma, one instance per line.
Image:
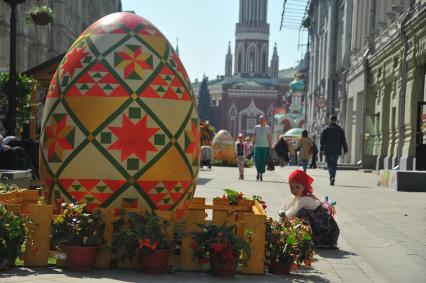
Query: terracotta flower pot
x=81, y=259
x=279, y=267
x=8, y=254
x=223, y=268
x=157, y=262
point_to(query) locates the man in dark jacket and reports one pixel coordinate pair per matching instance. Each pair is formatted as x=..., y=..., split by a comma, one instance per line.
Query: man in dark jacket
x=281, y=148
x=332, y=142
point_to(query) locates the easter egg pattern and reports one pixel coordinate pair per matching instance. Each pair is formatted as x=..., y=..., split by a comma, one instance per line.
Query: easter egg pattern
x=120, y=127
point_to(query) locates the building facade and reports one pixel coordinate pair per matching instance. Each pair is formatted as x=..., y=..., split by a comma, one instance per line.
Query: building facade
x=252, y=85
x=37, y=44
x=377, y=77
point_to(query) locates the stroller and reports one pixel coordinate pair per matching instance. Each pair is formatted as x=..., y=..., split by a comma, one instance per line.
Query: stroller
x=206, y=156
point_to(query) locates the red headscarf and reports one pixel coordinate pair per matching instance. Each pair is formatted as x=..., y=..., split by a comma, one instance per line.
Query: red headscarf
x=304, y=179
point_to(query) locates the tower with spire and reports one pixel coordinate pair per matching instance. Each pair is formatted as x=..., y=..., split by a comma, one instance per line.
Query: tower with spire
x=177, y=46
x=274, y=63
x=252, y=39
x=228, y=62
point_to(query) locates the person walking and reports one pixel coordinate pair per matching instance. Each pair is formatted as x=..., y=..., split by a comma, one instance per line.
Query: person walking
x=291, y=152
x=305, y=150
x=262, y=142
x=314, y=156
x=332, y=142
x=241, y=153
x=281, y=148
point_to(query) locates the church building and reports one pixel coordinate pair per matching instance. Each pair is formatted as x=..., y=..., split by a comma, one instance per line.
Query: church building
x=252, y=85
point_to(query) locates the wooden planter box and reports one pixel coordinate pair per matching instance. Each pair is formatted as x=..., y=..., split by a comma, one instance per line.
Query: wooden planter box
x=247, y=215
x=23, y=197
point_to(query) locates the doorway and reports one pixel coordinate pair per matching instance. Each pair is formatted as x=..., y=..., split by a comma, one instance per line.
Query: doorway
x=421, y=136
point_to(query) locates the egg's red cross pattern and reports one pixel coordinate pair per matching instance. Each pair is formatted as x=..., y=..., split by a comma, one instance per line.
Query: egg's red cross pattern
x=120, y=127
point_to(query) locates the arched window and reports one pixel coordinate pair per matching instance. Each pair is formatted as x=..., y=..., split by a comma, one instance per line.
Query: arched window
x=252, y=59
x=240, y=59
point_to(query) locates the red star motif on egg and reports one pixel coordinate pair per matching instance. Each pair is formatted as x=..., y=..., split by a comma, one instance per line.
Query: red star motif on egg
x=133, y=138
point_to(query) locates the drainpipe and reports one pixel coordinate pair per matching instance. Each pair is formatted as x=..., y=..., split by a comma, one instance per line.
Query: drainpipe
x=403, y=92
x=366, y=70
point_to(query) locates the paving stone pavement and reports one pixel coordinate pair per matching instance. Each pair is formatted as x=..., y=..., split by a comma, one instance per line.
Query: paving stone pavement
x=383, y=233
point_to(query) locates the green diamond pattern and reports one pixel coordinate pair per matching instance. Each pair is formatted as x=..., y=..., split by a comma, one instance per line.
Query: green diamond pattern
x=135, y=113
x=106, y=138
x=159, y=139
x=133, y=164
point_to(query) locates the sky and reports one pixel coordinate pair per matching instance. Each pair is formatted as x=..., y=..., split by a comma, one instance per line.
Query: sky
x=204, y=28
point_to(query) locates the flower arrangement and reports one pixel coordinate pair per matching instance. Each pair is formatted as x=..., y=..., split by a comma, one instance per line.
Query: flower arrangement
x=233, y=196
x=76, y=227
x=288, y=244
x=14, y=236
x=261, y=201
x=6, y=187
x=140, y=234
x=41, y=15
x=220, y=241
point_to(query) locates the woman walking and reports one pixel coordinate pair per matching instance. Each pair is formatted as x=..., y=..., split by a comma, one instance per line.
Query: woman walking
x=305, y=150
x=262, y=142
x=281, y=148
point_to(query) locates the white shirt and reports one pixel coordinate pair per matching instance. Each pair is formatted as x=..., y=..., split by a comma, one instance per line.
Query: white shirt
x=293, y=204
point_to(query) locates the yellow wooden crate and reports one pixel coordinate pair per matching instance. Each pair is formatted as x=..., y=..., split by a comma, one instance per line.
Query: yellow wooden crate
x=248, y=215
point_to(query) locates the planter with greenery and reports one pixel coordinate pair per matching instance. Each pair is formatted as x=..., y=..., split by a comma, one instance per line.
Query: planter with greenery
x=14, y=236
x=41, y=15
x=80, y=234
x=288, y=244
x=143, y=237
x=222, y=247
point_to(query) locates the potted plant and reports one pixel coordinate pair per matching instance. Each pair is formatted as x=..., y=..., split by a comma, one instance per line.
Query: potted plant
x=222, y=247
x=288, y=244
x=14, y=236
x=41, y=15
x=144, y=237
x=80, y=234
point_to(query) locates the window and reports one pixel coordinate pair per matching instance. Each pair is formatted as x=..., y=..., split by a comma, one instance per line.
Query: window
x=239, y=62
x=251, y=62
x=251, y=123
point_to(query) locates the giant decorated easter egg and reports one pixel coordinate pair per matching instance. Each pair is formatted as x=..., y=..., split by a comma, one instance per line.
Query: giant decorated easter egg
x=120, y=127
x=223, y=147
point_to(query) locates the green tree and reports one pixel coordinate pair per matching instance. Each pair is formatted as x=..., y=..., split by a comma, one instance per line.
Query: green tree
x=204, y=100
x=24, y=109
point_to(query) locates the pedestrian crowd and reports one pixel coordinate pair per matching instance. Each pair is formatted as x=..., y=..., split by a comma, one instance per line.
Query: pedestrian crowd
x=303, y=203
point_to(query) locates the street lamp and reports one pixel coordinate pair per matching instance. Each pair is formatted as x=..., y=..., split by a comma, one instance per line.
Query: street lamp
x=11, y=86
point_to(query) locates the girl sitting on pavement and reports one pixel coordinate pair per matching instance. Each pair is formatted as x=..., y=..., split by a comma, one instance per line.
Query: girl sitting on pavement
x=305, y=205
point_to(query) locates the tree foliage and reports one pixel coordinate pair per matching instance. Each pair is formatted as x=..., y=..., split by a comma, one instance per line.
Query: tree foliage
x=24, y=109
x=204, y=100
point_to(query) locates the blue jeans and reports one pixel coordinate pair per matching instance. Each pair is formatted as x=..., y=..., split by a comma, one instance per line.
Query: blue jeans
x=304, y=164
x=332, y=164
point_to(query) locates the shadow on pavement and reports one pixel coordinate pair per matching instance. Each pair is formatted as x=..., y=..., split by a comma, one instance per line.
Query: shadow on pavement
x=350, y=186
x=54, y=274
x=266, y=181
x=203, y=181
x=334, y=253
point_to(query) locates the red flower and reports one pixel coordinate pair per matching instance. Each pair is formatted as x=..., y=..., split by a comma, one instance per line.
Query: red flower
x=218, y=247
x=194, y=245
x=227, y=255
x=307, y=262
